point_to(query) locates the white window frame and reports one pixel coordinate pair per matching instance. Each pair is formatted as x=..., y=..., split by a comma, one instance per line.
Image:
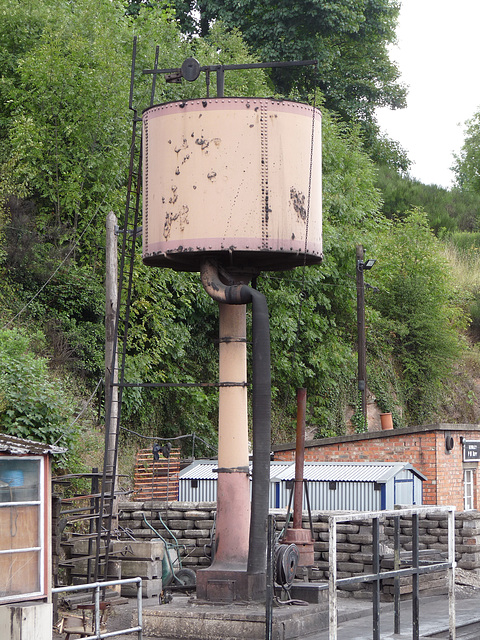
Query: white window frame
x=468, y=489
x=41, y=529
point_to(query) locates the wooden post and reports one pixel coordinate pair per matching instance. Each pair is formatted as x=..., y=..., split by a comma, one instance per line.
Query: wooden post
x=111, y=376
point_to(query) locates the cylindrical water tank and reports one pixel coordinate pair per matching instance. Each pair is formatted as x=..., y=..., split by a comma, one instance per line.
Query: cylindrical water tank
x=236, y=179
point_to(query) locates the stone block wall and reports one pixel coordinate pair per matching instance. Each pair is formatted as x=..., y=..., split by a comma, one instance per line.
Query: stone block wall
x=191, y=524
x=188, y=524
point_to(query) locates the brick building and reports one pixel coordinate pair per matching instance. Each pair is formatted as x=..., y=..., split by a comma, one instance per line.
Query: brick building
x=447, y=454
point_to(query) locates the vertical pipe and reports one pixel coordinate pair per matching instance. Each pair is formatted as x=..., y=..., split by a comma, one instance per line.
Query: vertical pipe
x=415, y=578
x=269, y=581
x=299, y=458
x=220, y=82
x=97, y=611
x=111, y=369
x=261, y=418
x=139, y=608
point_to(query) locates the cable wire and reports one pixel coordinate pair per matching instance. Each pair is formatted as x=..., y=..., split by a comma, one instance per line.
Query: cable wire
x=69, y=428
x=71, y=250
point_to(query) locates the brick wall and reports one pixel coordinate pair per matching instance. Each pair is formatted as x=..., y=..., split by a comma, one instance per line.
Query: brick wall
x=424, y=449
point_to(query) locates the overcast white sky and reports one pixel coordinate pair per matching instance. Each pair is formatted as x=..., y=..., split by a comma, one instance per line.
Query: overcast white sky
x=438, y=54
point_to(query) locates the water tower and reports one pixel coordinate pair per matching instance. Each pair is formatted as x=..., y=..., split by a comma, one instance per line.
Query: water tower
x=231, y=187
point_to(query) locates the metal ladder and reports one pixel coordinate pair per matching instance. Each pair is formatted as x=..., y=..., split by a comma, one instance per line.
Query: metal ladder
x=129, y=234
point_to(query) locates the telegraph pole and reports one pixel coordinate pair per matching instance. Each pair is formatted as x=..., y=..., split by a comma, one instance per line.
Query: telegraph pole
x=362, y=360
x=111, y=303
x=361, y=266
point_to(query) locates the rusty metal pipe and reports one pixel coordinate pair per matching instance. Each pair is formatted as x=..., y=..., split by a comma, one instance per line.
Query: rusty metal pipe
x=299, y=458
x=261, y=405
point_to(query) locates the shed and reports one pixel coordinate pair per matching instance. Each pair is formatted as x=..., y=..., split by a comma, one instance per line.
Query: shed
x=198, y=481
x=359, y=486
x=25, y=519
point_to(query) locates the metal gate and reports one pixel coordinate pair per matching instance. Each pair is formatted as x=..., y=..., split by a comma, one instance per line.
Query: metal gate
x=415, y=570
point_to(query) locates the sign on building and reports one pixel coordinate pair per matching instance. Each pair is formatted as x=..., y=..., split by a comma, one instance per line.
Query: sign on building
x=471, y=450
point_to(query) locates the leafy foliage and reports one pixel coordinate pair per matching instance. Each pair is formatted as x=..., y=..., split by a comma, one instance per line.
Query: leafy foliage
x=467, y=163
x=419, y=317
x=32, y=403
x=64, y=145
x=349, y=38
x=448, y=210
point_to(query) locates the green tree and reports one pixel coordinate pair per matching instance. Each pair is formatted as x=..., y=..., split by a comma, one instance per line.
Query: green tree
x=33, y=404
x=448, y=210
x=65, y=157
x=419, y=321
x=467, y=163
x=349, y=38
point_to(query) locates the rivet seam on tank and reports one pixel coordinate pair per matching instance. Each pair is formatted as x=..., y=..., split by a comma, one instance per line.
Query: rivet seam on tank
x=145, y=224
x=264, y=173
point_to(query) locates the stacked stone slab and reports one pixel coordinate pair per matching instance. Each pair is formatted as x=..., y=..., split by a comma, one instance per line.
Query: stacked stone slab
x=187, y=525
x=135, y=559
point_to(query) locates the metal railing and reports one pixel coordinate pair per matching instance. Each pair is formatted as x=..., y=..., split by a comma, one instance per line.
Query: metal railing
x=97, y=586
x=415, y=570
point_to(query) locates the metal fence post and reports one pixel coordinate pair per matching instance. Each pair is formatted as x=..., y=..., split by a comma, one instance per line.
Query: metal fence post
x=396, y=580
x=451, y=575
x=332, y=578
x=415, y=579
x=376, y=581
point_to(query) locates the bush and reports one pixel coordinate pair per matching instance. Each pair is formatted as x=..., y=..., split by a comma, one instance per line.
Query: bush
x=32, y=403
x=420, y=319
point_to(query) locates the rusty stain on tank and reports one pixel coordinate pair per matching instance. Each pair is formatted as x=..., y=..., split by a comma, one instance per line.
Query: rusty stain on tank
x=202, y=143
x=297, y=199
x=174, y=196
x=170, y=218
x=184, y=146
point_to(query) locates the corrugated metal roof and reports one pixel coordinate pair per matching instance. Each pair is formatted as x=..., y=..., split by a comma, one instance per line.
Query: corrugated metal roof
x=313, y=471
x=347, y=472
x=206, y=470
x=20, y=446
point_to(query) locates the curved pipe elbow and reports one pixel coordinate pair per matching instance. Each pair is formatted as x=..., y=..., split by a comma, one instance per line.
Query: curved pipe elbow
x=220, y=292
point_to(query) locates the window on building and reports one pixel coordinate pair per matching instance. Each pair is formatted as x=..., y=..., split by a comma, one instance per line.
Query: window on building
x=468, y=489
x=21, y=528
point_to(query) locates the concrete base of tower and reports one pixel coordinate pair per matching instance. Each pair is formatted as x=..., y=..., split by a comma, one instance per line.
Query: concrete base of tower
x=188, y=619
x=223, y=585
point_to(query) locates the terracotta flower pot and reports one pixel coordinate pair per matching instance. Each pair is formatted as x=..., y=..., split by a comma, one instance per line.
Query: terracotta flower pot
x=386, y=421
